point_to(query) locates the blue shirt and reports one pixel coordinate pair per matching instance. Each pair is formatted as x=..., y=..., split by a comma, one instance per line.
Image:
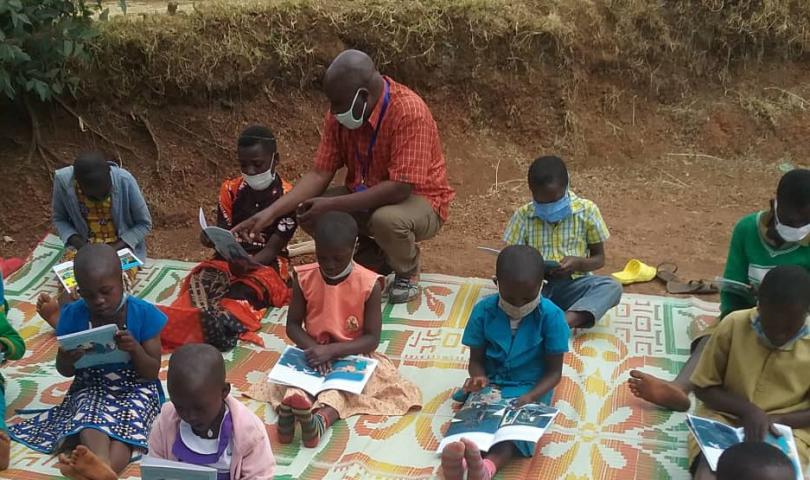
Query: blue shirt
x=144, y=320
x=516, y=363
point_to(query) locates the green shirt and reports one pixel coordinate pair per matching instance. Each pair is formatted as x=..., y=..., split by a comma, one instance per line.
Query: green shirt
x=751, y=256
x=11, y=343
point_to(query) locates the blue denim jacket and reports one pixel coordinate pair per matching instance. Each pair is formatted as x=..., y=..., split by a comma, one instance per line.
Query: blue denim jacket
x=129, y=211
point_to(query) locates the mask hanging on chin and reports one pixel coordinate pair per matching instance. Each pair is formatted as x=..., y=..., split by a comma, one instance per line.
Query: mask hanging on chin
x=345, y=273
x=515, y=312
x=261, y=181
x=790, y=234
x=555, y=211
x=347, y=118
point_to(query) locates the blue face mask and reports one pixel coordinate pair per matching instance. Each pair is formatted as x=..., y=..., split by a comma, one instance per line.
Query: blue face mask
x=756, y=324
x=555, y=211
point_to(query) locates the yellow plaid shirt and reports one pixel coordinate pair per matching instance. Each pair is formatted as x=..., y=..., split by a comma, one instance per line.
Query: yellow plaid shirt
x=567, y=238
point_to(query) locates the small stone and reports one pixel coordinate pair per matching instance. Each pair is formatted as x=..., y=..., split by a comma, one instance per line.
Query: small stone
x=7, y=239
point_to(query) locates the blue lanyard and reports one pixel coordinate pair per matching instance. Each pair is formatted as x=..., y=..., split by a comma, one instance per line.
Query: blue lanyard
x=364, y=166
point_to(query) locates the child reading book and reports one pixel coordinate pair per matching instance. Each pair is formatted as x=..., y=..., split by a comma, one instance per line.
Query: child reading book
x=204, y=425
x=754, y=461
x=517, y=342
x=335, y=312
x=109, y=408
x=12, y=347
x=753, y=372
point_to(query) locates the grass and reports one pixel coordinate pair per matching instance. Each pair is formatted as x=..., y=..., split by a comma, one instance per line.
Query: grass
x=234, y=47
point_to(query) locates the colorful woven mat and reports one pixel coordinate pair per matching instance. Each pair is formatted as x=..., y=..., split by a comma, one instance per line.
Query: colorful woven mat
x=602, y=432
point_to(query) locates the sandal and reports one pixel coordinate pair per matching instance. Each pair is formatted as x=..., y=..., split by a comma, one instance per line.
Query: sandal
x=676, y=286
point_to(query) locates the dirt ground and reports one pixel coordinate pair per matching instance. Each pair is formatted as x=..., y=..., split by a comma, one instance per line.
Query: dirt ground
x=670, y=177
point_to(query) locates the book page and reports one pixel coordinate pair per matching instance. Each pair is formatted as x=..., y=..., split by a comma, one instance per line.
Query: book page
x=292, y=369
x=226, y=244
x=527, y=423
x=713, y=437
x=787, y=444
x=98, y=344
x=159, y=469
x=350, y=374
x=478, y=420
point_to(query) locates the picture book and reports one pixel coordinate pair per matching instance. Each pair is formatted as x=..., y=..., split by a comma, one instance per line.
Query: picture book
x=548, y=265
x=487, y=421
x=733, y=286
x=714, y=437
x=349, y=374
x=64, y=271
x=98, y=344
x=224, y=241
x=159, y=469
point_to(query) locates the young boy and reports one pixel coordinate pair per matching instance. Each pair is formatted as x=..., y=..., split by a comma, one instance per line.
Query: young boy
x=760, y=241
x=754, y=461
x=12, y=347
x=95, y=201
x=753, y=372
x=517, y=342
x=570, y=230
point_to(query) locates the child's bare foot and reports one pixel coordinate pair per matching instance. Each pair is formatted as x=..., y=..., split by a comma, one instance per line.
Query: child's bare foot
x=453, y=461
x=65, y=466
x=660, y=392
x=48, y=309
x=475, y=463
x=88, y=464
x=5, y=450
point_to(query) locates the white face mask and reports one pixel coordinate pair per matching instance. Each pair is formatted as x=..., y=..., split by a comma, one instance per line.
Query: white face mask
x=345, y=273
x=347, y=118
x=261, y=181
x=515, y=312
x=790, y=234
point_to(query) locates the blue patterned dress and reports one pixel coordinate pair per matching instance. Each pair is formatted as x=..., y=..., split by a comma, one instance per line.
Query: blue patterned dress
x=109, y=398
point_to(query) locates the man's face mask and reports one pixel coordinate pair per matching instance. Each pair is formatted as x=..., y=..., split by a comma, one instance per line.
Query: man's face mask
x=347, y=118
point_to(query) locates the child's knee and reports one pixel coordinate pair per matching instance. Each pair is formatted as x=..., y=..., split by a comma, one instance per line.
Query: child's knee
x=612, y=289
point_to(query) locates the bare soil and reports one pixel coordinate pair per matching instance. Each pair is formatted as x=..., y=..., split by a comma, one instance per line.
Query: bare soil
x=671, y=171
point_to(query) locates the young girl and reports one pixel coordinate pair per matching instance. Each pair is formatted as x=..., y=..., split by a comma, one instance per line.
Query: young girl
x=12, y=347
x=204, y=425
x=335, y=311
x=753, y=372
x=109, y=408
x=517, y=342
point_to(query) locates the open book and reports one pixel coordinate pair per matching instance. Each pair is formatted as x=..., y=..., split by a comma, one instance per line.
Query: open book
x=735, y=287
x=224, y=242
x=487, y=423
x=159, y=469
x=64, y=271
x=349, y=374
x=98, y=344
x=714, y=437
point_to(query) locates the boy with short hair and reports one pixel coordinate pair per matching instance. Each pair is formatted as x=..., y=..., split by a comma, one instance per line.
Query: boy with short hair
x=570, y=230
x=754, y=461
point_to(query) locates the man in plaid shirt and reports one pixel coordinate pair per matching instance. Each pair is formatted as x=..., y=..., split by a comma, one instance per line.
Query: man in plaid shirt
x=396, y=181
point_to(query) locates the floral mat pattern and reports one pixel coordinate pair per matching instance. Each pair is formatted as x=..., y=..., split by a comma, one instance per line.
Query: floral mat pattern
x=602, y=433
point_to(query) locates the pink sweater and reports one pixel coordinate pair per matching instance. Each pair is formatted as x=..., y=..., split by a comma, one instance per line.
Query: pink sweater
x=252, y=457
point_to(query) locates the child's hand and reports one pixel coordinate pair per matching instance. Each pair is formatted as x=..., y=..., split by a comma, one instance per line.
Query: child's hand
x=324, y=368
x=757, y=424
x=126, y=342
x=568, y=266
x=72, y=356
x=476, y=383
x=318, y=355
x=523, y=400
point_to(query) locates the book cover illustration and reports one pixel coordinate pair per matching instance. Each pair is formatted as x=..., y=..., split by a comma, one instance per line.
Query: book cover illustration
x=64, y=271
x=98, y=345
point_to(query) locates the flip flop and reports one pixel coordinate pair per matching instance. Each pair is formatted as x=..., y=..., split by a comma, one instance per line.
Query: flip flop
x=700, y=287
x=666, y=272
x=635, y=271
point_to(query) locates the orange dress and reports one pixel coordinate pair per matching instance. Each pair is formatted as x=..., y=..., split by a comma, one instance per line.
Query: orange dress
x=335, y=313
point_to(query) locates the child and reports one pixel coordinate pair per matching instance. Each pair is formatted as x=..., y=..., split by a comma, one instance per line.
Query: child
x=753, y=372
x=760, y=241
x=335, y=312
x=12, y=347
x=110, y=408
x=220, y=301
x=517, y=342
x=754, y=461
x=570, y=230
x=205, y=425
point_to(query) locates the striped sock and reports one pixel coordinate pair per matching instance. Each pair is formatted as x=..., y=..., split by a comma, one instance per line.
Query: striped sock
x=312, y=427
x=286, y=424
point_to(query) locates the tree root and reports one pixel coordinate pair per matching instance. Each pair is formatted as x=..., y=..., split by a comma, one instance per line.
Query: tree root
x=36, y=145
x=95, y=131
x=148, y=125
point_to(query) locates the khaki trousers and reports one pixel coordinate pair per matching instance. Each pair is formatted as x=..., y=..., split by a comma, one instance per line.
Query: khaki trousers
x=389, y=234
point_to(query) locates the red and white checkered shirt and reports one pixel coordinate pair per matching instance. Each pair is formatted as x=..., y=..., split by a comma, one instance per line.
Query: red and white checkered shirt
x=407, y=150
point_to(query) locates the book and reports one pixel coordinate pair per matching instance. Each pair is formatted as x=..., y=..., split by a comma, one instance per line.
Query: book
x=98, y=344
x=153, y=468
x=715, y=437
x=735, y=287
x=486, y=422
x=224, y=242
x=548, y=265
x=64, y=271
x=349, y=374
